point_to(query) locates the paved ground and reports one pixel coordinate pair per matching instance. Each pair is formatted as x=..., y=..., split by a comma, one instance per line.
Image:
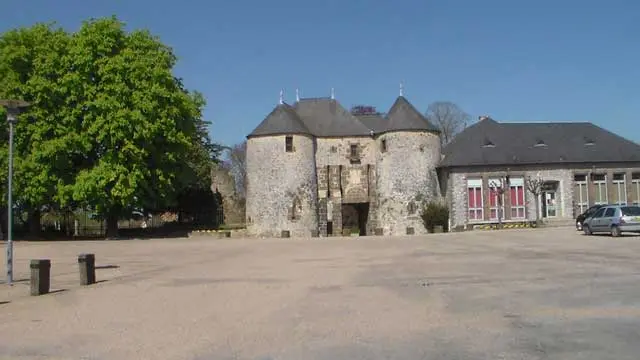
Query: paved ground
x=512, y=294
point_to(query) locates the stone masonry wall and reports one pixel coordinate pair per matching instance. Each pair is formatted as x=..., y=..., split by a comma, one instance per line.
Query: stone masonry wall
x=565, y=197
x=232, y=204
x=281, y=190
x=406, y=180
x=340, y=180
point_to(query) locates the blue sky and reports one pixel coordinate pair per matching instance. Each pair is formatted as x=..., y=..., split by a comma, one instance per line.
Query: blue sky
x=546, y=60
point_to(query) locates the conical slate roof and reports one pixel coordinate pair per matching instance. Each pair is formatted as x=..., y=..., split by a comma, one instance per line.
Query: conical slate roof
x=282, y=120
x=404, y=116
x=326, y=117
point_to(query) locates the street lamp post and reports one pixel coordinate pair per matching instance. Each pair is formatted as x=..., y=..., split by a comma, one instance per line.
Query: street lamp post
x=13, y=109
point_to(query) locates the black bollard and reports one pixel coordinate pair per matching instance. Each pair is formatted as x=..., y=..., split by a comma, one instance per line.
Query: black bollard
x=87, y=264
x=40, y=276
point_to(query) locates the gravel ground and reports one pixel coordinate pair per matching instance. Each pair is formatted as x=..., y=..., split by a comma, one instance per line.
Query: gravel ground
x=512, y=294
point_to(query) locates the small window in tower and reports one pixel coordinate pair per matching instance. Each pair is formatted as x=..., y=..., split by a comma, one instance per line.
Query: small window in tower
x=288, y=143
x=354, y=155
x=354, y=150
x=383, y=145
x=296, y=209
x=412, y=208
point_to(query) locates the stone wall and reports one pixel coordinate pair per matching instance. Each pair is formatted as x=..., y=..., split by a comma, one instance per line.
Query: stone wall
x=281, y=186
x=563, y=175
x=406, y=180
x=342, y=179
x=233, y=206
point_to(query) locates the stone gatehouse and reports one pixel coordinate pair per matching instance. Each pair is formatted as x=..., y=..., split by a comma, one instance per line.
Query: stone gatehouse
x=315, y=168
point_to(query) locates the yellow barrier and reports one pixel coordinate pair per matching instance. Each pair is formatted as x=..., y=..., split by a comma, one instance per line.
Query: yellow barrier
x=504, y=226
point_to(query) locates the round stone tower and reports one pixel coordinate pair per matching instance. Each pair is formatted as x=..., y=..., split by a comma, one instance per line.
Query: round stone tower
x=281, y=177
x=406, y=162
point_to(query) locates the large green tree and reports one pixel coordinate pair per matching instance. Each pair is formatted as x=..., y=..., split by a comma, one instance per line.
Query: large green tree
x=111, y=127
x=32, y=60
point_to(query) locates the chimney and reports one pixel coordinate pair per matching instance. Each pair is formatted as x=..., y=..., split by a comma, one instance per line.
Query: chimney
x=483, y=117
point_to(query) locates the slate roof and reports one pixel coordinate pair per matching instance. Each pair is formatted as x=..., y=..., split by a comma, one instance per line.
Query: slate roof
x=282, y=120
x=489, y=142
x=404, y=116
x=326, y=117
x=374, y=122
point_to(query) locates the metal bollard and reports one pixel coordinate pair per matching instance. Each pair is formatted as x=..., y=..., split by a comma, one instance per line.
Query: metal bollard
x=40, y=276
x=87, y=265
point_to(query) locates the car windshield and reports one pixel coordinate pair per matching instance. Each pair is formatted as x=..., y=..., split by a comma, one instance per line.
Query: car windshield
x=630, y=210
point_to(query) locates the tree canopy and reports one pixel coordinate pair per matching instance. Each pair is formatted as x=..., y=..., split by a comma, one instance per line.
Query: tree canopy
x=449, y=118
x=110, y=128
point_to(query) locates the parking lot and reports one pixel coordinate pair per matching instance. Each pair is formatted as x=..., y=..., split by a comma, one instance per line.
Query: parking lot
x=510, y=294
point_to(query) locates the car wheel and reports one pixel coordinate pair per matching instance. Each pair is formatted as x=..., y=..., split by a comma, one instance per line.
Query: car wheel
x=615, y=231
x=587, y=230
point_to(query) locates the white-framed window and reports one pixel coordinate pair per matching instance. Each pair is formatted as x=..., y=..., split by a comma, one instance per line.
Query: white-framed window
x=474, y=200
x=619, y=189
x=516, y=194
x=600, y=189
x=635, y=188
x=496, y=199
x=581, y=193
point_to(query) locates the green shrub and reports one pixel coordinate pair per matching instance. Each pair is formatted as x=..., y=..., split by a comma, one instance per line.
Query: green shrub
x=434, y=214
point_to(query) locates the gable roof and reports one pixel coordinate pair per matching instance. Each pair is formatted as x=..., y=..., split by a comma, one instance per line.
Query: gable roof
x=488, y=142
x=404, y=116
x=325, y=117
x=283, y=119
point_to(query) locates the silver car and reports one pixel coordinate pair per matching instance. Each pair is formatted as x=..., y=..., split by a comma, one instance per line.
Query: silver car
x=613, y=219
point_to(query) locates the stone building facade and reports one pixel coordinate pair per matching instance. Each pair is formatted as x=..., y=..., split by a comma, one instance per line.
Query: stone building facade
x=317, y=169
x=578, y=164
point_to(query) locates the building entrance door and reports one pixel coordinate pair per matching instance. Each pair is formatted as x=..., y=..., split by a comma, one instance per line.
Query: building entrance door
x=549, y=199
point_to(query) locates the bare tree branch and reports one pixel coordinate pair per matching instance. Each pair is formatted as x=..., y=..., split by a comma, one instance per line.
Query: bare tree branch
x=237, y=165
x=448, y=117
x=535, y=186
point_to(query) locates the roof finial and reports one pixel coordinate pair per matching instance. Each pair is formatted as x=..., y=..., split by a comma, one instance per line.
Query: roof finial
x=281, y=97
x=297, y=95
x=333, y=94
x=401, y=89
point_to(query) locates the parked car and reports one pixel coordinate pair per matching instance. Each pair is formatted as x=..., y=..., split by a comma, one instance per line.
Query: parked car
x=614, y=219
x=587, y=213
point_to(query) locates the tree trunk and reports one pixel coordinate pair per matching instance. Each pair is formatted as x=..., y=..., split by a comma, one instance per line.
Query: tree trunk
x=35, y=227
x=537, y=196
x=112, y=226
